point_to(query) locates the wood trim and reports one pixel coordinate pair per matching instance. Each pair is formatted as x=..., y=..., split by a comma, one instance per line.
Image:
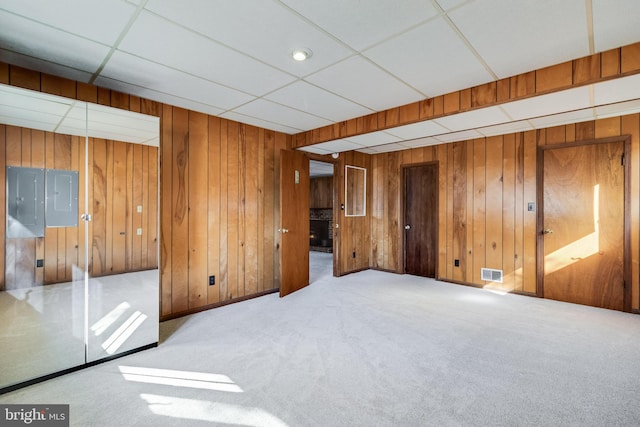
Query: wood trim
x=599, y=67
x=217, y=304
x=626, y=140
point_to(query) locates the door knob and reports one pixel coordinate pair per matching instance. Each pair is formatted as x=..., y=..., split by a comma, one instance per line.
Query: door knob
x=407, y=227
x=283, y=230
x=547, y=231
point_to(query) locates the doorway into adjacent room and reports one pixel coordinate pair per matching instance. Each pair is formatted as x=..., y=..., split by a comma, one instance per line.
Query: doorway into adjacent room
x=321, y=219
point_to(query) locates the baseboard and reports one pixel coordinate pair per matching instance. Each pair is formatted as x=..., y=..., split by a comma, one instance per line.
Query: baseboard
x=37, y=380
x=216, y=305
x=635, y=311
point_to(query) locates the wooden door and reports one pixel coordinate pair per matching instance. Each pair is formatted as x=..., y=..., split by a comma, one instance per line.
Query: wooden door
x=294, y=221
x=583, y=224
x=421, y=219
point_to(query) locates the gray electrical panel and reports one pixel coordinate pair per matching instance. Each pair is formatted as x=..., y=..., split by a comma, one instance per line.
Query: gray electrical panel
x=25, y=202
x=62, y=198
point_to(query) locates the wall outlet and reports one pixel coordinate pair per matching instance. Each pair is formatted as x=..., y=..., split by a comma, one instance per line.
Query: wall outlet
x=39, y=263
x=212, y=280
x=139, y=231
x=139, y=208
x=456, y=263
x=354, y=254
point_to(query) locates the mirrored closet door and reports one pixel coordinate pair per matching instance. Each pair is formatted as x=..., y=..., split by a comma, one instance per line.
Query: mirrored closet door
x=80, y=241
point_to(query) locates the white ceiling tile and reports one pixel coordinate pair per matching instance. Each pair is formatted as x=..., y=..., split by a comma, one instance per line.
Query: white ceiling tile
x=338, y=146
x=236, y=24
x=47, y=67
x=367, y=151
x=26, y=121
x=473, y=119
x=361, y=25
x=362, y=82
x=311, y=99
x=544, y=105
x=563, y=118
x=98, y=20
x=373, y=138
x=619, y=109
x=421, y=142
x=277, y=113
x=387, y=148
x=459, y=136
x=617, y=90
x=40, y=41
x=417, y=130
x=615, y=23
x=139, y=72
x=505, y=128
x=158, y=40
x=430, y=58
x=447, y=5
x=519, y=36
x=315, y=149
x=231, y=115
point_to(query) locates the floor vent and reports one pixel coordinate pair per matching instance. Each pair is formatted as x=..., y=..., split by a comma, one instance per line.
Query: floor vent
x=491, y=275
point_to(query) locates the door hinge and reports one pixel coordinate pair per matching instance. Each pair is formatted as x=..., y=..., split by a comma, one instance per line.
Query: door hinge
x=622, y=160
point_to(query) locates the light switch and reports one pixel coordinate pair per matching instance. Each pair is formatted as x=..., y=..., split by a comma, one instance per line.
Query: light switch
x=139, y=231
x=139, y=208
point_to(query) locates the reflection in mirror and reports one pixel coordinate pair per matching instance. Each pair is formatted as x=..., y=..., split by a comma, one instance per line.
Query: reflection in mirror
x=355, y=191
x=75, y=291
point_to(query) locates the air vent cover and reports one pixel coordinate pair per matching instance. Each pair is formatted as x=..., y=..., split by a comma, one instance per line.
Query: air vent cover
x=491, y=275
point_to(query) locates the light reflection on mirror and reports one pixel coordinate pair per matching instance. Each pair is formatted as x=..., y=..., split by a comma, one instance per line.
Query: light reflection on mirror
x=355, y=191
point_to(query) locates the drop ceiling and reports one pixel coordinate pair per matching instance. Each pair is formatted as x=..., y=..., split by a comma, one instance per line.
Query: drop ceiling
x=232, y=58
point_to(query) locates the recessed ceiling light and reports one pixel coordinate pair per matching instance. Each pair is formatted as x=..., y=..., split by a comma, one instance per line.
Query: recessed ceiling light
x=301, y=54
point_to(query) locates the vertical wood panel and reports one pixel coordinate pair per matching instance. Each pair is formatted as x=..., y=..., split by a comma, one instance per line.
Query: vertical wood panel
x=459, y=210
x=233, y=205
x=479, y=206
x=166, y=210
x=268, y=247
x=197, y=211
x=99, y=212
x=180, y=219
x=251, y=210
x=136, y=173
x=521, y=206
x=508, y=211
x=443, y=220
x=224, y=212
x=213, y=208
x=117, y=208
x=494, y=202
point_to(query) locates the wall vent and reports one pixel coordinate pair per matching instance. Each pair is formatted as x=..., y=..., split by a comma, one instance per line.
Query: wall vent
x=491, y=275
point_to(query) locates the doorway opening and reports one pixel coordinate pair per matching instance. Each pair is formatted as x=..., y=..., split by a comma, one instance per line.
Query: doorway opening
x=321, y=219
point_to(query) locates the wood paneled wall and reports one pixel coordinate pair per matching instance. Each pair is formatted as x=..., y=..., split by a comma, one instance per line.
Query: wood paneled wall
x=219, y=197
x=123, y=176
x=321, y=192
x=485, y=186
x=220, y=210
x=595, y=68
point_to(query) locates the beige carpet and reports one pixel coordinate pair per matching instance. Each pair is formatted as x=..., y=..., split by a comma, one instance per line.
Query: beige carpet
x=370, y=349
